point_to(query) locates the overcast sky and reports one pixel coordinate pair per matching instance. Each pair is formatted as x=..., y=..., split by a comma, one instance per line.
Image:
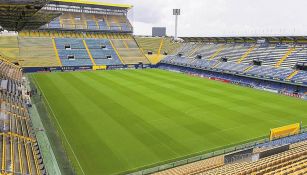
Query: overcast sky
x=220, y=17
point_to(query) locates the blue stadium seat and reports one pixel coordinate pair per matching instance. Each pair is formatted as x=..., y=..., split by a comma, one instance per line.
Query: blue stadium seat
x=55, y=24
x=74, y=47
x=285, y=141
x=300, y=77
x=281, y=73
x=102, y=25
x=91, y=24
x=102, y=52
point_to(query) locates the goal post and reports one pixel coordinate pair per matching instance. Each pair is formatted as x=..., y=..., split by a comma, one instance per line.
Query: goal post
x=285, y=131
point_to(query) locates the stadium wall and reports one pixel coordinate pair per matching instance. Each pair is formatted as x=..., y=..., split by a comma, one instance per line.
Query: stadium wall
x=238, y=155
x=55, y=69
x=83, y=68
x=273, y=151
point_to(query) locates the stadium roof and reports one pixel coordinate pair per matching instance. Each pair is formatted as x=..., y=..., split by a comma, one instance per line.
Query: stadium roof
x=17, y=15
x=244, y=39
x=93, y=3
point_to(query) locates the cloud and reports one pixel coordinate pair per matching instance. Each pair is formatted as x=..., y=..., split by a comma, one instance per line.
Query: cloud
x=221, y=17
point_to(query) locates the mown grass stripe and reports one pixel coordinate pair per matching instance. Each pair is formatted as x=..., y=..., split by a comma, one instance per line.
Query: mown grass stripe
x=126, y=119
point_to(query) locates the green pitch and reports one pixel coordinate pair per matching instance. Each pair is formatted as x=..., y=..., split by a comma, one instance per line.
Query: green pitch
x=115, y=121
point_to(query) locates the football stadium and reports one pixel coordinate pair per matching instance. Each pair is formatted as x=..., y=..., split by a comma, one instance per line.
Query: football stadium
x=80, y=93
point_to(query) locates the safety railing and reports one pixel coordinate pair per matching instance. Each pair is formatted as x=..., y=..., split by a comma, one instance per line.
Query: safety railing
x=88, y=27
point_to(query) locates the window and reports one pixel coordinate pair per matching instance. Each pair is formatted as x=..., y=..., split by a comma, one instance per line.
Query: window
x=67, y=47
x=71, y=57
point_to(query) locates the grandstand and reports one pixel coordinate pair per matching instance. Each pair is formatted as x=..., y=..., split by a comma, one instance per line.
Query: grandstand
x=19, y=148
x=155, y=48
x=102, y=52
x=290, y=161
x=9, y=47
x=266, y=60
x=62, y=42
x=189, y=108
x=95, y=18
x=128, y=51
x=32, y=49
x=155, y=45
x=77, y=21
